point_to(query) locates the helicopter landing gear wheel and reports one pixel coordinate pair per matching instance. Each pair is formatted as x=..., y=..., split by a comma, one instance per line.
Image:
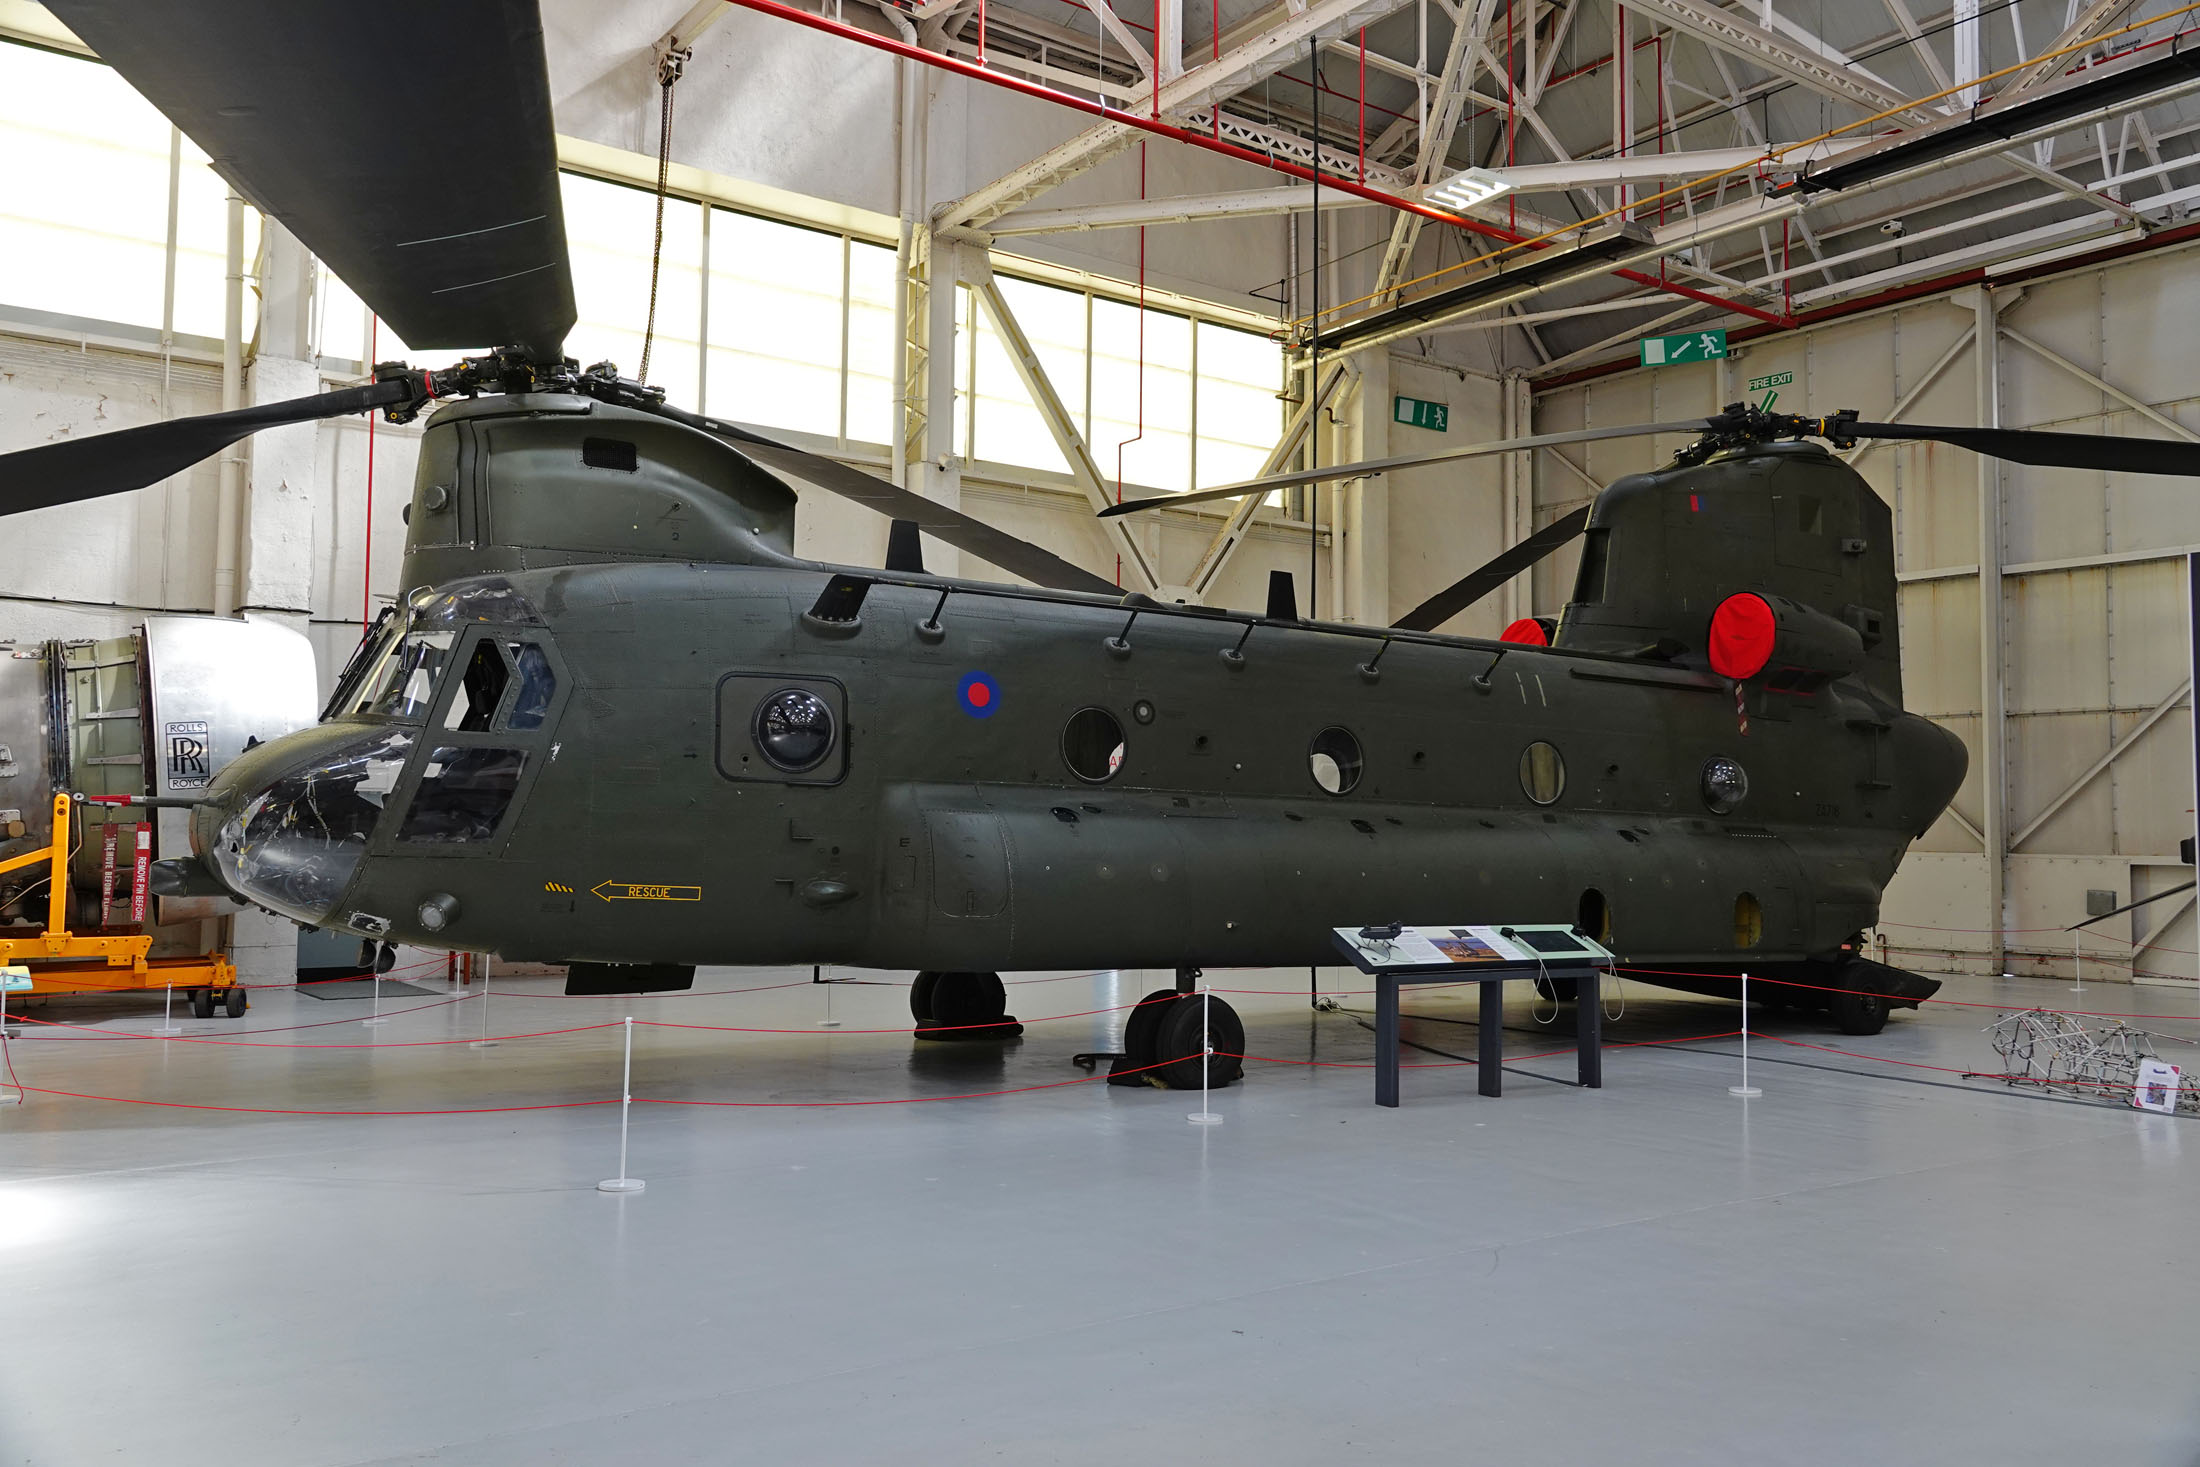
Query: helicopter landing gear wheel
x=202, y=1003
x=1557, y=990
x=1189, y=1028
x=962, y=1005
x=1135, y=1065
x=920, y=997
x=1860, y=1013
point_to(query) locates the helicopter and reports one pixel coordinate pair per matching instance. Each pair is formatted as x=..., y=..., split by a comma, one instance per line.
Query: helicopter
x=615, y=722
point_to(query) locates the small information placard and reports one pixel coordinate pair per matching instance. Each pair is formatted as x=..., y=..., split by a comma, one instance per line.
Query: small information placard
x=15, y=980
x=2157, y=1087
x=1770, y=380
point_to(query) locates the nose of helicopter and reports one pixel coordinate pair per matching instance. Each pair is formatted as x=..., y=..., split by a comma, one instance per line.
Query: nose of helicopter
x=286, y=824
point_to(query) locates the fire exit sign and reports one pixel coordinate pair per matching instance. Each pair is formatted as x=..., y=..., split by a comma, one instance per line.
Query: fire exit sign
x=1689, y=346
x=1415, y=413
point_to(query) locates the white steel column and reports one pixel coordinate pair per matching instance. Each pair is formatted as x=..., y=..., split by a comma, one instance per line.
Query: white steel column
x=1366, y=522
x=1992, y=711
x=279, y=482
x=228, y=505
x=275, y=550
x=1966, y=38
x=1518, y=516
x=1168, y=43
x=1623, y=65
x=935, y=468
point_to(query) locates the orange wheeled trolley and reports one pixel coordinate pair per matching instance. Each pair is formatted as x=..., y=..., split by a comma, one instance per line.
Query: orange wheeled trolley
x=61, y=961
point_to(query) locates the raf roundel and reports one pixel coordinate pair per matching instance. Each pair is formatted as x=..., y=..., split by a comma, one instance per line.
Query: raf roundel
x=979, y=694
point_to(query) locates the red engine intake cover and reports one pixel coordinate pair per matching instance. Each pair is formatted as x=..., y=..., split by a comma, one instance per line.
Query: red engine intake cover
x=1527, y=631
x=1742, y=633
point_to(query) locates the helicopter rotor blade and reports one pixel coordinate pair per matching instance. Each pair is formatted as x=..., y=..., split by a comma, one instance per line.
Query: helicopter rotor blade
x=1477, y=583
x=131, y=458
x=407, y=143
x=950, y=526
x=1366, y=467
x=2052, y=450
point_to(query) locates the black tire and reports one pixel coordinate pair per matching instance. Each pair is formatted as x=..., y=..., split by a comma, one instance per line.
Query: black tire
x=965, y=999
x=1143, y=1026
x=235, y=1002
x=1557, y=990
x=202, y=1003
x=1860, y=1013
x=920, y=997
x=1181, y=1039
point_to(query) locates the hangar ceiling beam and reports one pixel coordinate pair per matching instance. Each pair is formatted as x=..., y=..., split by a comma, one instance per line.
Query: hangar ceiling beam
x=1831, y=74
x=2092, y=18
x=1185, y=209
x=1125, y=37
x=1265, y=54
x=1444, y=109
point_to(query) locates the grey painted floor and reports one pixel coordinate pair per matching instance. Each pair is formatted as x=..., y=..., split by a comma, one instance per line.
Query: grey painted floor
x=1858, y=1267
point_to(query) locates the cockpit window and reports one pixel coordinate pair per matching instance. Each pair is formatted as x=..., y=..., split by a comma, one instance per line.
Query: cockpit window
x=474, y=704
x=463, y=794
x=363, y=656
x=537, y=685
x=402, y=683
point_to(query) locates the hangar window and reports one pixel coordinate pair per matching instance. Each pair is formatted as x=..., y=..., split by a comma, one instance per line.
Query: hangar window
x=463, y=794
x=537, y=685
x=105, y=252
x=1542, y=773
x=1092, y=744
x=1334, y=760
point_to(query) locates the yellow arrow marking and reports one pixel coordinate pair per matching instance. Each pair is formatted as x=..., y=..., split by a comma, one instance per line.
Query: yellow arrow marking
x=634, y=891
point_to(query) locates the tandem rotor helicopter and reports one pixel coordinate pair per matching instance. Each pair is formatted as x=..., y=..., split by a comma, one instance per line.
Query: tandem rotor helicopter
x=616, y=722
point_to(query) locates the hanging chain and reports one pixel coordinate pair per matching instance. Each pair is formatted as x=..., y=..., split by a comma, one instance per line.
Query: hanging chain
x=670, y=63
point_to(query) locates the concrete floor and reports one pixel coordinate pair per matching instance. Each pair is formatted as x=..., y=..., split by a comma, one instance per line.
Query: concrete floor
x=1863, y=1265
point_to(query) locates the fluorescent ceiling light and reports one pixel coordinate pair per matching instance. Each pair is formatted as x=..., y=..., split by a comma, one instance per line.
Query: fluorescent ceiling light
x=1465, y=189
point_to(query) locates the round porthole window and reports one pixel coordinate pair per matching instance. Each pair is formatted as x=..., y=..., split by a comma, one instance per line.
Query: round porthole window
x=1334, y=760
x=794, y=730
x=1725, y=783
x=1542, y=773
x=1092, y=744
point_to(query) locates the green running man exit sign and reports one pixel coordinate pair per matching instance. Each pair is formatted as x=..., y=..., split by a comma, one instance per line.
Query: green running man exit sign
x=1690, y=346
x=1415, y=413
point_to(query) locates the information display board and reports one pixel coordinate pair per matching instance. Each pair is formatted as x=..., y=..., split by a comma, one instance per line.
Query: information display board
x=1467, y=945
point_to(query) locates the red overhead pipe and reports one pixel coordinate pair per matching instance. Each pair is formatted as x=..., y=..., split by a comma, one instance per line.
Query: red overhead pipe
x=1159, y=128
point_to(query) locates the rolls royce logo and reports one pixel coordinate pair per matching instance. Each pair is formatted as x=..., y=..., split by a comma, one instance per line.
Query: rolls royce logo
x=188, y=767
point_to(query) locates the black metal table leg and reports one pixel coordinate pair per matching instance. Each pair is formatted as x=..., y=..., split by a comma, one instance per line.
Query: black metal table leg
x=1589, y=1031
x=1492, y=1051
x=1386, y=1041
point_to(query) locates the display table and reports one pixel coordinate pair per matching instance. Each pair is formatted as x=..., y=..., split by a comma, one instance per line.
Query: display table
x=1492, y=956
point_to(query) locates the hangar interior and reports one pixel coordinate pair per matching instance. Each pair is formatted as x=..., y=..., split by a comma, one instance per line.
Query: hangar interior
x=1026, y=259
